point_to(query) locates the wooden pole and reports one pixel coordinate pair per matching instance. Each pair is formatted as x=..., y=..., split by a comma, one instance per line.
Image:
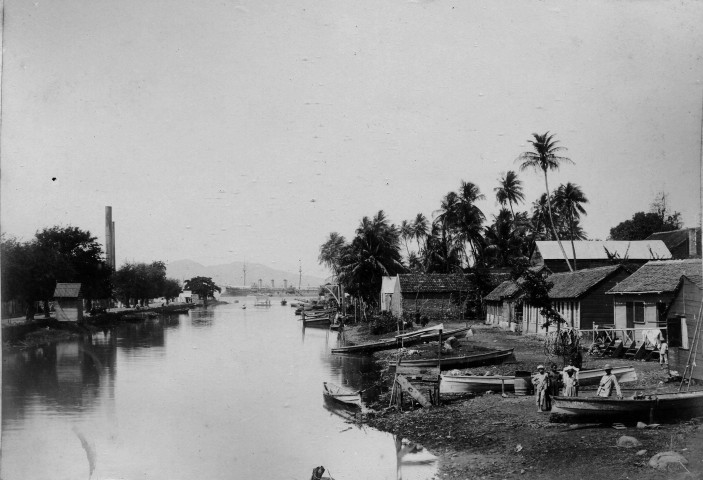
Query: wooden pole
x=439, y=352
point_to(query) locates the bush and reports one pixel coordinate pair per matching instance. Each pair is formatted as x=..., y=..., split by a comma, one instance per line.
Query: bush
x=383, y=323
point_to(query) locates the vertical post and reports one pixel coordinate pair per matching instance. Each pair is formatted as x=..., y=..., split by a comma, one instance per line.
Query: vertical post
x=439, y=352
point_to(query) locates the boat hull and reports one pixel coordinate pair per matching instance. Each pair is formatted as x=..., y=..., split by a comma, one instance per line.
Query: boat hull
x=340, y=395
x=465, y=361
x=395, y=343
x=661, y=408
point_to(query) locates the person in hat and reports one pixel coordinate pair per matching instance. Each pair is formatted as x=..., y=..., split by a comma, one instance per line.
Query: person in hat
x=571, y=382
x=607, y=382
x=541, y=382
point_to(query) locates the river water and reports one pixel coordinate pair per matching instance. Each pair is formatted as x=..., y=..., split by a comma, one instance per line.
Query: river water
x=222, y=393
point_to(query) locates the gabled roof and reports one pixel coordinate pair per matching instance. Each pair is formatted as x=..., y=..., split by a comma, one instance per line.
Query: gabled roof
x=596, y=250
x=676, y=238
x=433, y=282
x=67, y=290
x=661, y=276
x=507, y=289
x=388, y=284
x=575, y=284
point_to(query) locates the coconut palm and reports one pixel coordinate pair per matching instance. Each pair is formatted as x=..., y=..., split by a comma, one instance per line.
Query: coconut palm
x=545, y=157
x=569, y=200
x=509, y=190
x=331, y=252
x=420, y=229
x=506, y=239
x=469, y=218
x=407, y=232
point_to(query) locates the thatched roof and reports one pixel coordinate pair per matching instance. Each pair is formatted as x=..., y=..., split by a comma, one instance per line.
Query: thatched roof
x=578, y=283
x=661, y=277
x=433, y=282
x=67, y=290
x=507, y=289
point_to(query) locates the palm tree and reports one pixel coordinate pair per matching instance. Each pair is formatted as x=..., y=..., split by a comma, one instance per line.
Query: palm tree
x=331, y=252
x=569, y=200
x=509, y=190
x=470, y=218
x=420, y=229
x=545, y=157
x=407, y=232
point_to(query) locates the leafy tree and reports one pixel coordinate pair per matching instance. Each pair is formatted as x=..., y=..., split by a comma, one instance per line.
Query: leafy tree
x=569, y=200
x=171, y=289
x=506, y=239
x=202, y=286
x=139, y=282
x=546, y=157
x=443, y=251
x=509, y=190
x=641, y=226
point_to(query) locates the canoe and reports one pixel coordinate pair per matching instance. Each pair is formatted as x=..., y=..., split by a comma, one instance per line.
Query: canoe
x=465, y=361
x=342, y=395
x=484, y=383
x=401, y=340
x=659, y=407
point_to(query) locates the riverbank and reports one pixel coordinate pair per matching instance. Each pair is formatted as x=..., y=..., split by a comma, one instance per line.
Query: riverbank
x=17, y=333
x=489, y=436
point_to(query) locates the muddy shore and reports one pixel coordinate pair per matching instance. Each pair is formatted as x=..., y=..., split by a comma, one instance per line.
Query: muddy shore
x=489, y=436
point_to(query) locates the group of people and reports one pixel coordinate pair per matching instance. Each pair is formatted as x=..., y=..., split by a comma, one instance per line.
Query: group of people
x=566, y=383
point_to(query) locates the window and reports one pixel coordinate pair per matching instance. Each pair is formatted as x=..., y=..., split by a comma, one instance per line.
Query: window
x=677, y=332
x=634, y=313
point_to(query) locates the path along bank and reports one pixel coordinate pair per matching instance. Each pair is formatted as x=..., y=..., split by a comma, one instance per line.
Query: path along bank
x=489, y=436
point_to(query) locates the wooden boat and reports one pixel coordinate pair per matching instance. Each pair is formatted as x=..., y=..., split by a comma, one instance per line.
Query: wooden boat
x=284, y=302
x=464, y=361
x=659, y=407
x=499, y=383
x=323, y=321
x=408, y=339
x=341, y=395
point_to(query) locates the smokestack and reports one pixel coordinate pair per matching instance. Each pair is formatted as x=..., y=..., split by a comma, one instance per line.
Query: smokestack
x=109, y=228
x=285, y=283
x=272, y=285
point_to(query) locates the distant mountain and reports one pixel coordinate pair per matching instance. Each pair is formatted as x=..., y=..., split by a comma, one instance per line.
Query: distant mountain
x=232, y=274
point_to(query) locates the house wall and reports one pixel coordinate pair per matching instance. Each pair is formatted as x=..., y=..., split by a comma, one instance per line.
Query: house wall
x=396, y=301
x=435, y=306
x=532, y=320
x=597, y=308
x=494, y=312
x=651, y=308
x=687, y=303
x=69, y=309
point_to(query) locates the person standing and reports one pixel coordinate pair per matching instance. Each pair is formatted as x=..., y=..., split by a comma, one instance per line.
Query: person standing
x=541, y=382
x=571, y=383
x=607, y=382
x=663, y=353
x=555, y=384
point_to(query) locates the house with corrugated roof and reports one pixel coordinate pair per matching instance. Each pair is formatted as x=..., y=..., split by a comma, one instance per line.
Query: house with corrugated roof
x=68, y=302
x=684, y=243
x=682, y=318
x=437, y=296
x=503, y=305
x=642, y=299
x=579, y=297
x=592, y=254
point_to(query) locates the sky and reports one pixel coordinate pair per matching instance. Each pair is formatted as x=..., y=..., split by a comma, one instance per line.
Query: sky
x=249, y=130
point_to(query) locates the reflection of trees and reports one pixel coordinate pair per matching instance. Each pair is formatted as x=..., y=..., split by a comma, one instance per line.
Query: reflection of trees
x=358, y=372
x=201, y=318
x=147, y=334
x=70, y=375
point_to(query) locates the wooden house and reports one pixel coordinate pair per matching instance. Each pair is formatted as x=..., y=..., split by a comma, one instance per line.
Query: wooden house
x=504, y=306
x=434, y=295
x=68, y=302
x=592, y=254
x=579, y=297
x=684, y=243
x=387, y=290
x=642, y=299
x=682, y=315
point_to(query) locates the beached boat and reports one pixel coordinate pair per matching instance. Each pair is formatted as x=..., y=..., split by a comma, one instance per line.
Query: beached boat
x=648, y=408
x=405, y=340
x=284, y=302
x=464, y=361
x=496, y=383
x=341, y=395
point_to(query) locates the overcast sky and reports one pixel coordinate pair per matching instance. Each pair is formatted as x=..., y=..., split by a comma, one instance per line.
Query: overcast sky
x=233, y=129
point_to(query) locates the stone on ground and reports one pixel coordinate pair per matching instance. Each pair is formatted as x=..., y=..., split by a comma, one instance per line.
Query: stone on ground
x=628, y=442
x=662, y=460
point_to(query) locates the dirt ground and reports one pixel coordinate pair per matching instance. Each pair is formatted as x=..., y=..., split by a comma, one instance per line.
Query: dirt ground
x=489, y=436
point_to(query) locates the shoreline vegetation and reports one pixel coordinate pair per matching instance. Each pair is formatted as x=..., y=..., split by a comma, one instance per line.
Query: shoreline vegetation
x=494, y=436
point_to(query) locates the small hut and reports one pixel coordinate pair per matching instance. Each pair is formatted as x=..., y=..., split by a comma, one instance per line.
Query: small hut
x=504, y=306
x=68, y=302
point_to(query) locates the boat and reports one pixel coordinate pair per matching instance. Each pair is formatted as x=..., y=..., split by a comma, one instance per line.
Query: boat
x=321, y=321
x=262, y=301
x=284, y=302
x=404, y=340
x=484, y=383
x=341, y=395
x=647, y=408
x=464, y=361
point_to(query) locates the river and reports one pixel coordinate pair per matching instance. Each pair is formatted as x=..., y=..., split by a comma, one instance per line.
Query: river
x=218, y=393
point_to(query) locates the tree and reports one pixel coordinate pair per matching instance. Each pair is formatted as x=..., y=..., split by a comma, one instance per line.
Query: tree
x=406, y=233
x=569, y=200
x=545, y=157
x=509, y=190
x=331, y=252
x=202, y=286
x=171, y=289
x=140, y=282
x=641, y=226
x=506, y=239
x=420, y=228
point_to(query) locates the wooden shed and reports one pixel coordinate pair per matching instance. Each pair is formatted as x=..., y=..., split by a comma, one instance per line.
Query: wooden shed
x=68, y=302
x=434, y=295
x=579, y=297
x=682, y=315
x=503, y=306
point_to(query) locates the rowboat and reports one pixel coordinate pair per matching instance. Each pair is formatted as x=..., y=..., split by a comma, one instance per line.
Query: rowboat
x=405, y=340
x=317, y=322
x=484, y=383
x=464, y=361
x=659, y=407
x=342, y=395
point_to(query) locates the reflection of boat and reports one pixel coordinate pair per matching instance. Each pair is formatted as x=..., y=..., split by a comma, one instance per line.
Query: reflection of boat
x=342, y=395
x=244, y=307
x=665, y=406
x=407, y=339
x=463, y=361
x=262, y=301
